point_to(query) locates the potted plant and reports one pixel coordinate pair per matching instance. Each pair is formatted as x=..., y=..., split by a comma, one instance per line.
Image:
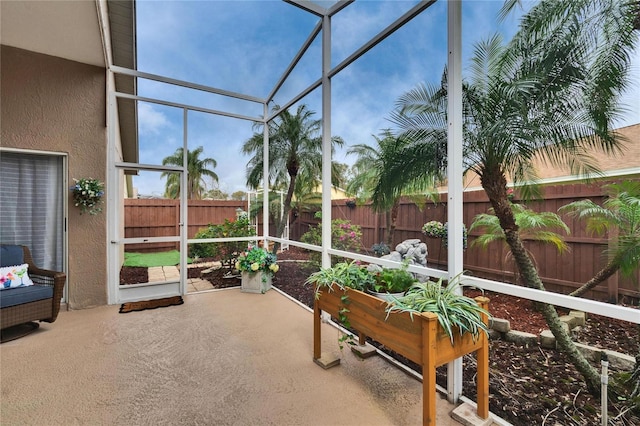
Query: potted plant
x=87, y=194
x=390, y=283
x=257, y=266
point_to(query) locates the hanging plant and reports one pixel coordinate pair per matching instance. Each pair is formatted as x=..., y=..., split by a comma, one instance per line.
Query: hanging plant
x=87, y=194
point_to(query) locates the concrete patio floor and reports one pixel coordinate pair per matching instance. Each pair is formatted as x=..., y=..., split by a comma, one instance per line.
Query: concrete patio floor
x=222, y=358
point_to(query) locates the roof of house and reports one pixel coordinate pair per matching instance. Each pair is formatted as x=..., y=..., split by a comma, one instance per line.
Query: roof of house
x=620, y=164
x=99, y=33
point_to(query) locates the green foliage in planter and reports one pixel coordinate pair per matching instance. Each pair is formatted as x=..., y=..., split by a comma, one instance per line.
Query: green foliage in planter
x=344, y=236
x=225, y=252
x=393, y=280
x=453, y=310
x=342, y=275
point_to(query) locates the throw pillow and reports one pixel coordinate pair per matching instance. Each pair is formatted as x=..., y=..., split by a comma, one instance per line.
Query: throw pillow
x=14, y=276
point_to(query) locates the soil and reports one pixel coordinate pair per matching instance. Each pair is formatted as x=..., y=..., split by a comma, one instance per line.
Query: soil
x=528, y=385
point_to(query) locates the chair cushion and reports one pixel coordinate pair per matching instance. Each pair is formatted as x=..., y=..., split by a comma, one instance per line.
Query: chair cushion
x=11, y=254
x=19, y=295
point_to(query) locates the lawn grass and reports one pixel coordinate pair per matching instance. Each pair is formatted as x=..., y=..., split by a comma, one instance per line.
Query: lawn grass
x=148, y=260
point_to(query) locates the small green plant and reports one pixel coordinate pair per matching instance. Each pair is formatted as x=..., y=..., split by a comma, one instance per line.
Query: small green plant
x=393, y=280
x=380, y=249
x=454, y=310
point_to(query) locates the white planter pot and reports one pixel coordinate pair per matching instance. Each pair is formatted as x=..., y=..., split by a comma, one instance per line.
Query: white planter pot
x=387, y=297
x=256, y=282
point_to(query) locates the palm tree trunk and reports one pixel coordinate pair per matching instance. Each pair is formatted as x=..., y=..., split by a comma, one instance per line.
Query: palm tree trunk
x=393, y=221
x=602, y=275
x=532, y=280
x=494, y=185
x=281, y=222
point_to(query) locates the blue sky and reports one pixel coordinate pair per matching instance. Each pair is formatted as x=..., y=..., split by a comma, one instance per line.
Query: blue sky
x=245, y=46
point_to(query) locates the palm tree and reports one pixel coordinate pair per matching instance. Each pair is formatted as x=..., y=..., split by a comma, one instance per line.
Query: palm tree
x=197, y=169
x=368, y=168
x=541, y=95
x=532, y=226
x=620, y=216
x=295, y=151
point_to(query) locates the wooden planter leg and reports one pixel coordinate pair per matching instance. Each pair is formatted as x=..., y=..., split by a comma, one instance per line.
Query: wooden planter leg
x=429, y=333
x=323, y=360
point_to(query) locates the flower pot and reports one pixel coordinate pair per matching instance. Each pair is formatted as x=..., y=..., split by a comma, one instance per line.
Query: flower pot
x=255, y=282
x=386, y=296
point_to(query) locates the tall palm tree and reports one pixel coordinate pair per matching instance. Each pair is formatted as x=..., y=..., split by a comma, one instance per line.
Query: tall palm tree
x=620, y=216
x=369, y=166
x=541, y=95
x=295, y=151
x=197, y=169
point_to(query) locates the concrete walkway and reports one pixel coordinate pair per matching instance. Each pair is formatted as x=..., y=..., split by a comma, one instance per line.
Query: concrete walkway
x=221, y=358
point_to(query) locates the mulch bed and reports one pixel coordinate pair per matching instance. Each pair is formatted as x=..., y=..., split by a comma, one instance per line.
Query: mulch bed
x=528, y=385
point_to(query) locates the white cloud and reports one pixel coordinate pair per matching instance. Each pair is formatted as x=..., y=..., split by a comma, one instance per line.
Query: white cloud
x=151, y=120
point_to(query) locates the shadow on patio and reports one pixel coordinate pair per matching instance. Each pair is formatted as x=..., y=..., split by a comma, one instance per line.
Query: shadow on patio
x=223, y=358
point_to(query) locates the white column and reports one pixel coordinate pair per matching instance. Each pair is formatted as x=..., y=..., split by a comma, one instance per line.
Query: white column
x=454, y=168
x=326, y=140
x=265, y=177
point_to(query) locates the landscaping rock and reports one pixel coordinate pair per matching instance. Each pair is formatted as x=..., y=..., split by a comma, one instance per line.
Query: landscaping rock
x=547, y=339
x=500, y=325
x=521, y=338
x=581, y=317
x=570, y=320
x=414, y=252
x=617, y=360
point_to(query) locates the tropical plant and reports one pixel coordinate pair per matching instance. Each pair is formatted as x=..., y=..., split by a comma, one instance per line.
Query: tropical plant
x=197, y=170
x=532, y=226
x=87, y=194
x=547, y=94
x=369, y=166
x=295, y=151
x=456, y=313
x=619, y=216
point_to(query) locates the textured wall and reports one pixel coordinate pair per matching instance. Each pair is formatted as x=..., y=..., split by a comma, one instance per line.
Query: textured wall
x=53, y=104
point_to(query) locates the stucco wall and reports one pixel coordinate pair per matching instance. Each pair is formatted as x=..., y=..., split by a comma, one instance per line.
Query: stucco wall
x=53, y=104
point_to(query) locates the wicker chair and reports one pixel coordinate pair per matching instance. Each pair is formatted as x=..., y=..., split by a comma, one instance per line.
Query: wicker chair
x=39, y=310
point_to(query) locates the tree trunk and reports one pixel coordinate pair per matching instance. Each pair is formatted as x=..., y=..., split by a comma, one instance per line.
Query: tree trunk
x=281, y=222
x=602, y=275
x=393, y=220
x=494, y=184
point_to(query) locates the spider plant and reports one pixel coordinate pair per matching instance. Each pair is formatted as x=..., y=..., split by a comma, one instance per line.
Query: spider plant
x=342, y=275
x=454, y=311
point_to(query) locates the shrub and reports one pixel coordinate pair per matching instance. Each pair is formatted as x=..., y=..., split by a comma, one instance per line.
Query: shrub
x=344, y=236
x=225, y=252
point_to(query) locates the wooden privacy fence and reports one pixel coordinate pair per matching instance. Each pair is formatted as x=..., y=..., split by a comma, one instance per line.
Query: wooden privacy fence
x=560, y=272
x=161, y=218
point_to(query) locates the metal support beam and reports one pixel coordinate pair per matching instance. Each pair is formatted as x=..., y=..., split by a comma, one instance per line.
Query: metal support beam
x=454, y=168
x=326, y=141
x=265, y=178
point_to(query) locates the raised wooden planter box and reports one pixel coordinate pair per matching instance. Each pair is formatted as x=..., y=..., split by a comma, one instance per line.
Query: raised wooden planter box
x=420, y=339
